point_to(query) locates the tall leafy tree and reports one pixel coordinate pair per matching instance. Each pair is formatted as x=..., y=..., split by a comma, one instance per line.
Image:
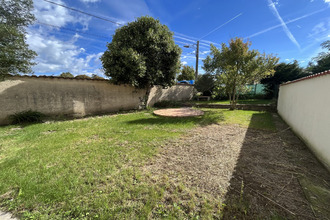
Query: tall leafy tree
x=187, y=73
x=142, y=54
x=236, y=65
x=322, y=61
x=283, y=72
x=15, y=56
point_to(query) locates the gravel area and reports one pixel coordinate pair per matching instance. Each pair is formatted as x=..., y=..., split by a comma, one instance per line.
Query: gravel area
x=254, y=173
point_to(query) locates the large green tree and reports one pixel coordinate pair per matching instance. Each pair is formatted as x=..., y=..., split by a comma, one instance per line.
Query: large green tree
x=283, y=72
x=236, y=65
x=321, y=62
x=142, y=53
x=15, y=56
x=187, y=73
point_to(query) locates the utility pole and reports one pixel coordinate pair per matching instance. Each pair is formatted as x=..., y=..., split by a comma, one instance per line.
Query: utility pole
x=197, y=54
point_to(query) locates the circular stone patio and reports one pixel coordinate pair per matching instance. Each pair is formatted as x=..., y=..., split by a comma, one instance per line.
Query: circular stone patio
x=178, y=112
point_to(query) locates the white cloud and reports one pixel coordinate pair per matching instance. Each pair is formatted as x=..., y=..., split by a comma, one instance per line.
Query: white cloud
x=57, y=55
x=52, y=14
x=184, y=63
x=283, y=24
x=321, y=31
x=48, y=13
x=327, y=1
x=53, y=54
x=205, y=52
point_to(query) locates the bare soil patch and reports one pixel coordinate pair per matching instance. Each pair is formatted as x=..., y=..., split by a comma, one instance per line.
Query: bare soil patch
x=179, y=112
x=247, y=173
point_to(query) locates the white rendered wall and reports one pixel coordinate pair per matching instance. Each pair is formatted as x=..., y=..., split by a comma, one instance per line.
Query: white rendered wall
x=305, y=107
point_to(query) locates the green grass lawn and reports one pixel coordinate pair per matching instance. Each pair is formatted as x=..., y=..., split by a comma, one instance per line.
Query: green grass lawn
x=247, y=101
x=90, y=168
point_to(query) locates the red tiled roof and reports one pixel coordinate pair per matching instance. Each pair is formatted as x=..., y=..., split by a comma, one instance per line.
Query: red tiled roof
x=307, y=77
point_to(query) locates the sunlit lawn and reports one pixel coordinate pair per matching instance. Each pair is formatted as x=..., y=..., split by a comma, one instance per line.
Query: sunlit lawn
x=90, y=168
x=246, y=101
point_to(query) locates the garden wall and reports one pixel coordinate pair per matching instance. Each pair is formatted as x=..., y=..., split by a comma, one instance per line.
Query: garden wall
x=305, y=106
x=77, y=97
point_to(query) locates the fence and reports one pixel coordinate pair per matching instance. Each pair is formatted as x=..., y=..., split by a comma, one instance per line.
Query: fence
x=77, y=97
x=305, y=106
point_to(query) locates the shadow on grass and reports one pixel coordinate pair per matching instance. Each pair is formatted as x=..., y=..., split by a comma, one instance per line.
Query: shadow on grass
x=209, y=117
x=264, y=183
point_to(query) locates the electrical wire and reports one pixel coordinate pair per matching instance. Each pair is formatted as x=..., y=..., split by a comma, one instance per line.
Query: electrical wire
x=182, y=37
x=72, y=30
x=86, y=13
x=221, y=25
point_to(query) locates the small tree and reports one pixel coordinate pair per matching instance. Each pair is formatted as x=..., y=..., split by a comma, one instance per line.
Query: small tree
x=205, y=84
x=187, y=73
x=235, y=66
x=283, y=72
x=322, y=61
x=66, y=75
x=15, y=56
x=142, y=54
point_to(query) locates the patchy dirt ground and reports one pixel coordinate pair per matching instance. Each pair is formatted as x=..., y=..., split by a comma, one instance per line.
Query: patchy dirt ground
x=249, y=173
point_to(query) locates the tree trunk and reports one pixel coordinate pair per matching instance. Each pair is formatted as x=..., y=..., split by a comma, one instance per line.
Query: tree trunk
x=233, y=106
x=146, y=97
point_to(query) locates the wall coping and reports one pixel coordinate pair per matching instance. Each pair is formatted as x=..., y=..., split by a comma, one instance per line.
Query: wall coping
x=327, y=72
x=68, y=78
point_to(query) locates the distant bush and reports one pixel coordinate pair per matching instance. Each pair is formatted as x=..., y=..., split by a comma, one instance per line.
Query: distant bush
x=26, y=117
x=167, y=104
x=66, y=75
x=82, y=77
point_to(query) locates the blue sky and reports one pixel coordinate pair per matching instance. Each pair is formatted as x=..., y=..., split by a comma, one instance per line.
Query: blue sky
x=290, y=29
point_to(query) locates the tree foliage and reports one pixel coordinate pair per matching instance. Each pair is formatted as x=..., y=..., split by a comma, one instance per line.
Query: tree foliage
x=283, y=72
x=66, y=75
x=82, y=77
x=205, y=84
x=187, y=73
x=94, y=76
x=15, y=56
x=236, y=65
x=322, y=61
x=142, y=53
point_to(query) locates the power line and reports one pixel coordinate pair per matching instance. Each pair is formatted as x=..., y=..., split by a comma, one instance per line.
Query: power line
x=114, y=22
x=86, y=13
x=221, y=25
x=72, y=30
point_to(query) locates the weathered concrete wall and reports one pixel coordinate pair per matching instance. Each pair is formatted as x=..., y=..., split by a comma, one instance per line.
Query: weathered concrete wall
x=305, y=106
x=174, y=93
x=75, y=97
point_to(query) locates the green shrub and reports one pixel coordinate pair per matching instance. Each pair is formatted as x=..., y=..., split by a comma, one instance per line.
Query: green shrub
x=167, y=104
x=26, y=117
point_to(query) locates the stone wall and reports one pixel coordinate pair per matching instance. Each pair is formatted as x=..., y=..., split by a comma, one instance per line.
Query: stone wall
x=76, y=97
x=175, y=93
